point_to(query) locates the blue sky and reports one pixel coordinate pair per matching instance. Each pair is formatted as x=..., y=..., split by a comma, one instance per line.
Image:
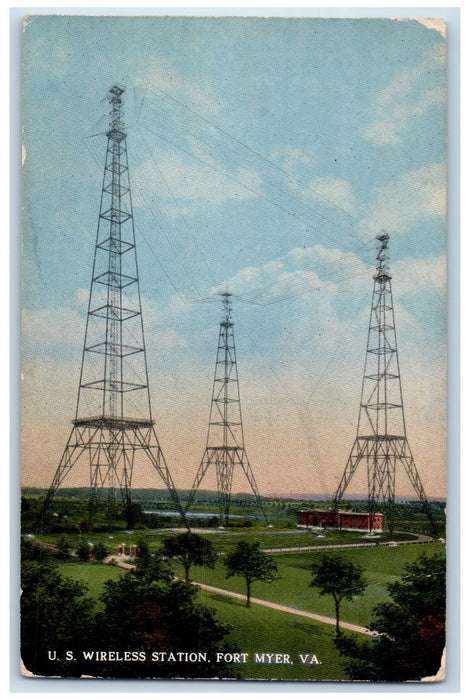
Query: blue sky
x=265, y=156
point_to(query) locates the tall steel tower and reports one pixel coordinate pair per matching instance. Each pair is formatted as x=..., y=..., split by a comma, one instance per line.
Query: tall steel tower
x=113, y=431
x=225, y=445
x=381, y=441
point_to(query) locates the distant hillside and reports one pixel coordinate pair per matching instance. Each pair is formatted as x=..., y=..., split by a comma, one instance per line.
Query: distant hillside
x=147, y=495
x=81, y=493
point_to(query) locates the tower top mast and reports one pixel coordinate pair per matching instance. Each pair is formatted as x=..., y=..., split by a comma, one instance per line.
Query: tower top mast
x=116, y=126
x=383, y=257
x=227, y=307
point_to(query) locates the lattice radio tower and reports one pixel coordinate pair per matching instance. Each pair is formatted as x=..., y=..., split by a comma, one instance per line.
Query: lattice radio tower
x=225, y=445
x=113, y=432
x=381, y=442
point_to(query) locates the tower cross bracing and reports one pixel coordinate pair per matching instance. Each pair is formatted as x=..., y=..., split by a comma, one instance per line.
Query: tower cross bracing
x=113, y=432
x=225, y=445
x=381, y=442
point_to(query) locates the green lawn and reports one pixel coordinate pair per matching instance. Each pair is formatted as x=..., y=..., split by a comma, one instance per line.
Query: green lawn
x=255, y=629
x=262, y=630
x=381, y=565
x=270, y=539
x=223, y=540
x=94, y=575
x=258, y=629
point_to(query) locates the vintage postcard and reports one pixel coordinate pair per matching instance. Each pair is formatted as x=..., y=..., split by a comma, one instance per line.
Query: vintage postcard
x=234, y=348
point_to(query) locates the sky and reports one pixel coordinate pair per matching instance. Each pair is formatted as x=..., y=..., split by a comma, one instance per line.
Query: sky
x=265, y=155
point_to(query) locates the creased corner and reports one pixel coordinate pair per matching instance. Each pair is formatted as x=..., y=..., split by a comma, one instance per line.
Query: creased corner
x=440, y=675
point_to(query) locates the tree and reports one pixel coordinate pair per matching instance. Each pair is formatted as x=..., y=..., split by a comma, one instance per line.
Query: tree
x=64, y=549
x=249, y=561
x=56, y=616
x=411, y=628
x=152, y=567
x=189, y=548
x=142, y=559
x=84, y=550
x=31, y=550
x=133, y=514
x=340, y=578
x=100, y=552
x=153, y=614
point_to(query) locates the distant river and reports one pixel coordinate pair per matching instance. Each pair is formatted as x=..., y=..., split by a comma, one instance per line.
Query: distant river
x=196, y=514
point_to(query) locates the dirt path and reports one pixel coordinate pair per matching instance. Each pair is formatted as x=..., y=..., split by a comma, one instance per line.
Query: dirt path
x=285, y=608
x=274, y=606
x=122, y=562
x=268, y=604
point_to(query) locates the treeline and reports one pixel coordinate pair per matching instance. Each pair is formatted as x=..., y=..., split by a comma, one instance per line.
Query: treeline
x=70, y=513
x=143, y=617
x=144, y=612
x=148, y=495
x=71, y=516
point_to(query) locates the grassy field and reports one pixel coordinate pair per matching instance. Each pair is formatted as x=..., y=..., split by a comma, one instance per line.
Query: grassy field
x=224, y=540
x=263, y=630
x=270, y=539
x=254, y=630
x=381, y=565
x=259, y=629
x=94, y=575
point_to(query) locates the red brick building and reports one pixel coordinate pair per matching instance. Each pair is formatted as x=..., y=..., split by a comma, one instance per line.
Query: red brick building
x=339, y=519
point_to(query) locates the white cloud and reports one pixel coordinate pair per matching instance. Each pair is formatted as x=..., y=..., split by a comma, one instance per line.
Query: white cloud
x=300, y=271
x=400, y=205
x=405, y=98
x=293, y=161
x=45, y=329
x=298, y=280
x=314, y=254
x=195, y=166
x=413, y=276
x=82, y=296
x=161, y=76
x=58, y=333
x=165, y=340
x=333, y=192
x=250, y=279
x=181, y=179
